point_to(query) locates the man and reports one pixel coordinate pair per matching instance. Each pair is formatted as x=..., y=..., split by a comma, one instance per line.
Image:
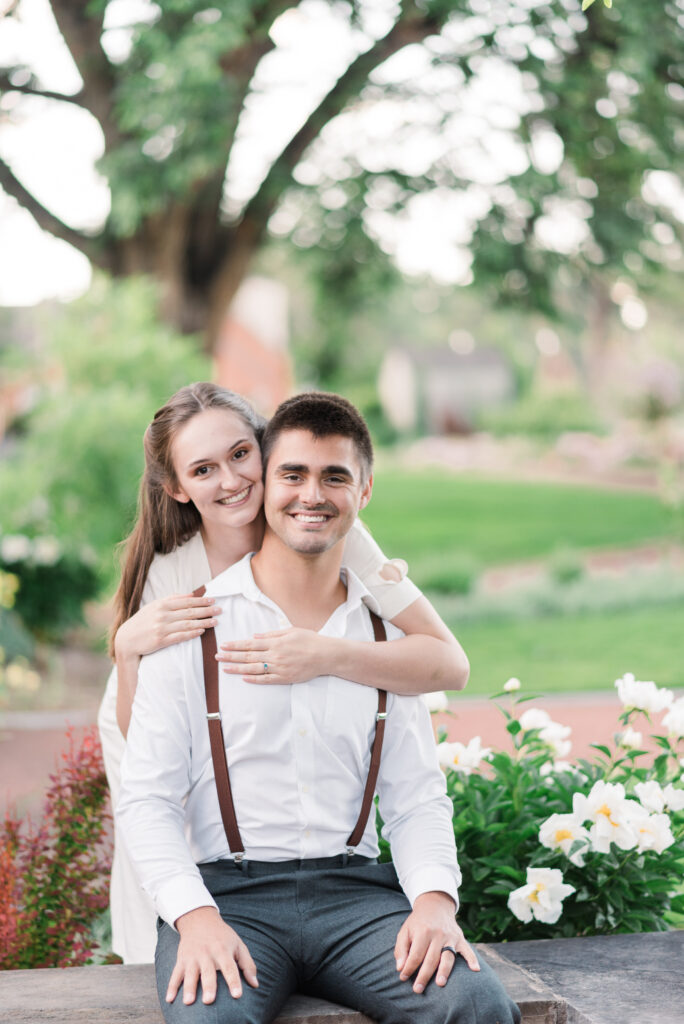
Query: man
x=301, y=910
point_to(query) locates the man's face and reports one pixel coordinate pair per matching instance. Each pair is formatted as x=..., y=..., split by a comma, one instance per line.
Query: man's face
x=314, y=490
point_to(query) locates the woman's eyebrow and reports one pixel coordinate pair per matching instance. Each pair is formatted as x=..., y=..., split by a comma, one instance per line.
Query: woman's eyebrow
x=208, y=458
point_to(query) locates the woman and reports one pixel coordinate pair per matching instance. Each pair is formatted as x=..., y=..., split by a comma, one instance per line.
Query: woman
x=200, y=511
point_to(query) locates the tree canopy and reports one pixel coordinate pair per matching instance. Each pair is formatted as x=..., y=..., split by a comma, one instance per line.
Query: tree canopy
x=570, y=163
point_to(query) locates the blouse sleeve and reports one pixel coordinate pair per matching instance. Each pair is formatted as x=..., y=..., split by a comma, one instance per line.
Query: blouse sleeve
x=384, y=578
x=161, y=580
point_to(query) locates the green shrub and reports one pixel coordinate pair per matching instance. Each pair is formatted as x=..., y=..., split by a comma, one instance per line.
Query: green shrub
x=450, y=574
x=543, y=416
x=53, y=583
x=565, y=566
x=610, y=862
x=54, y=880
x=74, y=472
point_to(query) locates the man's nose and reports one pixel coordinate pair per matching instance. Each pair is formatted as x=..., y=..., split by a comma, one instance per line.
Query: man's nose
x=311, y=492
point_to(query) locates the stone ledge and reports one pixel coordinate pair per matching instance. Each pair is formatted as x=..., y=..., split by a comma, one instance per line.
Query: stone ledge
x=609, y=979
x=127, y=995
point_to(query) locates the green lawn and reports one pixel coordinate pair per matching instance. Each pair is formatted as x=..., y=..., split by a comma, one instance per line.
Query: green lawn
x=432, y=514
x=576, y=652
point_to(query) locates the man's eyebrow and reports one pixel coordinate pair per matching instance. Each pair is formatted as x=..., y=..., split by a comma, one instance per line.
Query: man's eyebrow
x=208, y=458
x=300, y=467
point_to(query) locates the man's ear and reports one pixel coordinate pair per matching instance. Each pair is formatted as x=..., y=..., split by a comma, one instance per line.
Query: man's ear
x=179, y=495
x=366, y=492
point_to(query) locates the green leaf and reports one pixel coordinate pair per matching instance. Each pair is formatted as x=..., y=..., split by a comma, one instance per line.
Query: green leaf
x=587, y=3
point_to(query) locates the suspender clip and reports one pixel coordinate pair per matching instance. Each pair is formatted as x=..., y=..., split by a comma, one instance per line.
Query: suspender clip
x=214, y=716
x=381, y=716
x=351, y=850
x=239, y=857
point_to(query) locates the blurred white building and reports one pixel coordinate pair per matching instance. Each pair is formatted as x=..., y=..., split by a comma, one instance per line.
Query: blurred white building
x=440, y=390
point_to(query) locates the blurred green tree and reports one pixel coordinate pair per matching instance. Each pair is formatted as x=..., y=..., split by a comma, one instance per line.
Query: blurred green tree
x=172, y=109
x=74, y=472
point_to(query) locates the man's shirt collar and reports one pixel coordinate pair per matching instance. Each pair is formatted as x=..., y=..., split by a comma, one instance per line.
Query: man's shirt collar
x=239, y=579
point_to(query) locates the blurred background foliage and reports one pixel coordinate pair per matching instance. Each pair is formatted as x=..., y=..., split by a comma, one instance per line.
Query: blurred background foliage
x=561, y=196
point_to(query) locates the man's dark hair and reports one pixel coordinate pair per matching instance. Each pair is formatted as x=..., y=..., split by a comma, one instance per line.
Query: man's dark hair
x=323, y=415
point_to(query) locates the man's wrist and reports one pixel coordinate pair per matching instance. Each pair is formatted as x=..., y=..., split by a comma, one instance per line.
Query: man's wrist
x=196, y=916
x=436, y=898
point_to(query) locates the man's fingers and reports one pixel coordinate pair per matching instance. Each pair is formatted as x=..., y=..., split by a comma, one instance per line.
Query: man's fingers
x=446, y=966
x=428, y=966
x=190, y=979
x=230, y=972
x=415, y=956
x=208, y=976
x=469, y=955
x=174, y=983
x=247, y=965
x=401, y=947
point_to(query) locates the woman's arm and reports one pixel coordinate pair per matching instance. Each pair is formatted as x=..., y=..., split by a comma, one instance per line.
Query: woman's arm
x=428, y=658
x=160, y=623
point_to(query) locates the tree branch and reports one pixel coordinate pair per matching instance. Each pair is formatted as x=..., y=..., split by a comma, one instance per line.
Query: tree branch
x=6, y=85
x=46, y=220
x=405, y=31
x=82, y=33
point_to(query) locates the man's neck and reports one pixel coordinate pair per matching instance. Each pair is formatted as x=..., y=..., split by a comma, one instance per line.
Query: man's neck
x=307, y=588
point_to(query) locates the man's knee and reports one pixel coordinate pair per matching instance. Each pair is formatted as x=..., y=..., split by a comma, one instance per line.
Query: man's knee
x=472, y=997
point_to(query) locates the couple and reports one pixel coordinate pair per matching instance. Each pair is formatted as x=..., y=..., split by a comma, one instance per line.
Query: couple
x=281, y=899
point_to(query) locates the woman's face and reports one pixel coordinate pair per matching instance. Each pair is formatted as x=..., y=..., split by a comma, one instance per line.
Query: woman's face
x=217, y=461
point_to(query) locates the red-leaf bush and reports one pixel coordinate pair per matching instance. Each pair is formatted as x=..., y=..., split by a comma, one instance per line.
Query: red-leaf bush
x=54, y=880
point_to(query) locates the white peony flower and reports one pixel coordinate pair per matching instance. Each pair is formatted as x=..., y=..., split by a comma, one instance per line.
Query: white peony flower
x=674, y=719
x=436, y=701
x=542, y=897
x=605, y=807
x=534, y=718
x=46, y=550
x=651, y=796
x=14, y=547
x=630, y=739
x=640, y=696
x=552, y=733
x=652, y=831
x=674, y=798
x=461, y=758
x=511, y=685
x=560, y=831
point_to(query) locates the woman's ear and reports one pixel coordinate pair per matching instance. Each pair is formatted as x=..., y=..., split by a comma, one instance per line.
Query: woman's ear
x=179, y=495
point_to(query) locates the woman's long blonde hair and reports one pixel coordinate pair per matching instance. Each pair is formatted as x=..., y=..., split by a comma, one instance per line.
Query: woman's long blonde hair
x=163, y=523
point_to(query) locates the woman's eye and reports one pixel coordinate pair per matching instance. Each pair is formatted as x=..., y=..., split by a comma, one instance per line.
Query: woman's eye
x=201, y=470
x=241, y=453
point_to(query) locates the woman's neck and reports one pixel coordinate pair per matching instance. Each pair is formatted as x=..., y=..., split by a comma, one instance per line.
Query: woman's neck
x=225, y=547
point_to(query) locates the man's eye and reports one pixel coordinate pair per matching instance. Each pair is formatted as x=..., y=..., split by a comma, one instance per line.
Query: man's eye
x=336, y=480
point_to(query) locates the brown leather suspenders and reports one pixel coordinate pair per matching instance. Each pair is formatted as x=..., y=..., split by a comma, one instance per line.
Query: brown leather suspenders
x=218, y=747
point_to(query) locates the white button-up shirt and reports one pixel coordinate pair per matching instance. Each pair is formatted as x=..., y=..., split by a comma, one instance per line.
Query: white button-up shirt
x=298, y=758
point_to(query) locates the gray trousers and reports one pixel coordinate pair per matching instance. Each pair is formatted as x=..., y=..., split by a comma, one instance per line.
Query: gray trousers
x=325, y=930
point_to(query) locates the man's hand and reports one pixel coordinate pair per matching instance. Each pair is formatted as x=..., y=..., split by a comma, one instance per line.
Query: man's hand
x=208, y=944
x=430, y=926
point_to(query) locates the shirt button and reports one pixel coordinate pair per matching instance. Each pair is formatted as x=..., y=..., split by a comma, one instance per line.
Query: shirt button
x=307, y=833
x=305, y=789
x=302, y=732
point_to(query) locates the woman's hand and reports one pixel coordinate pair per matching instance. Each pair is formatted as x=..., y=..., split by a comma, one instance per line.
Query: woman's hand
x=285, y=656
x=166, y=621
